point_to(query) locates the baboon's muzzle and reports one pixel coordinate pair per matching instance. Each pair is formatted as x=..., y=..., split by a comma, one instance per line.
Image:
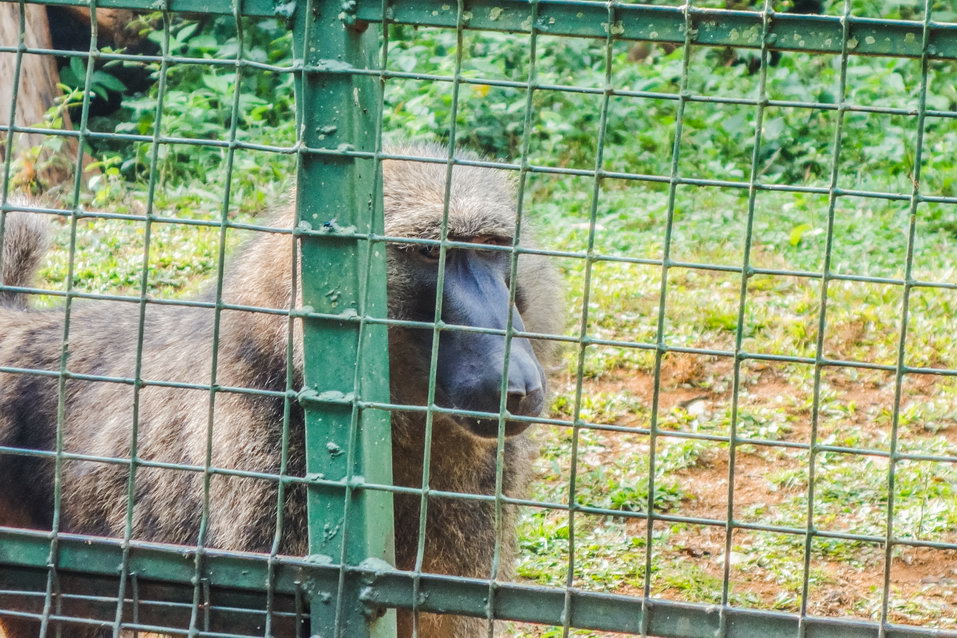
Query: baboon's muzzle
x=471, y=364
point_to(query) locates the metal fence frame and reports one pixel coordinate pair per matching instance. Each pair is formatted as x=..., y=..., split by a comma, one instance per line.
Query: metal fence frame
x=337, y=58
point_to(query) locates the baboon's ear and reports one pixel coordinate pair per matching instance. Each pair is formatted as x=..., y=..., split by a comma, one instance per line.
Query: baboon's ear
x=540, y=300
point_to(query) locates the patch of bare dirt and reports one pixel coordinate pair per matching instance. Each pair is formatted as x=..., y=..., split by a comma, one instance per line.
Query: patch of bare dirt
x=684, y=378
x=921, y=577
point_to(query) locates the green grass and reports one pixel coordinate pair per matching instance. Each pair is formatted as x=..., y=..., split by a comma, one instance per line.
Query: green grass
x=775, y=403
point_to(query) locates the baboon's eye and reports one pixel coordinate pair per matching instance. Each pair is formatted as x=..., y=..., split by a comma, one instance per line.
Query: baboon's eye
x=492, y=240
x=429, y=253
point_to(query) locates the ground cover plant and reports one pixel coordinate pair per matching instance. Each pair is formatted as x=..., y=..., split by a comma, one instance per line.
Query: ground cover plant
x=614, y=406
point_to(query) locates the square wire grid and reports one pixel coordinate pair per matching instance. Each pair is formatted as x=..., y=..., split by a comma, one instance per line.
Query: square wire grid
x=694, y=28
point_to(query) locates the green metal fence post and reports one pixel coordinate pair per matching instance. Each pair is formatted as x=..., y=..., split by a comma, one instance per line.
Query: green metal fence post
x=346, y=361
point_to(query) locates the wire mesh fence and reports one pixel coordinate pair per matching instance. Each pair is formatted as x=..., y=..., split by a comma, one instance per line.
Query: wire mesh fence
x=216, y=423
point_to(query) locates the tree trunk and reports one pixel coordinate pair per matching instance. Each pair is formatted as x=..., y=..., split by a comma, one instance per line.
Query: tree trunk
x=39, y=158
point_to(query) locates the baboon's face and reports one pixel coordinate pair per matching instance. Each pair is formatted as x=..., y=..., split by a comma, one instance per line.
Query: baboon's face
x=471, y=364
x=475, y=295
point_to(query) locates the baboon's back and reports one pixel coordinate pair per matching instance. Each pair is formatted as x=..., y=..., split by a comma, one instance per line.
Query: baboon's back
x=98, y=421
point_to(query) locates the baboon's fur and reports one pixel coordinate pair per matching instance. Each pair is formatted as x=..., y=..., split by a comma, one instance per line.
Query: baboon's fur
x=177, y=346
x=24, y=246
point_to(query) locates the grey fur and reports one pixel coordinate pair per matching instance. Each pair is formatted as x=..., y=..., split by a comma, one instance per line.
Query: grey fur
x=24, y=244
x=172, y=423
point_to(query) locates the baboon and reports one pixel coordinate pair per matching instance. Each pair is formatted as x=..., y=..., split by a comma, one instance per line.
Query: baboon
x=177, y=346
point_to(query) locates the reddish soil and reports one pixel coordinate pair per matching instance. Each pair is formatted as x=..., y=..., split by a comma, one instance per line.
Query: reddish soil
x=922, y=579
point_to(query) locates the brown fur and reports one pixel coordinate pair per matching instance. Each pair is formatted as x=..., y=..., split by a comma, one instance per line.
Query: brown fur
x=246, y=433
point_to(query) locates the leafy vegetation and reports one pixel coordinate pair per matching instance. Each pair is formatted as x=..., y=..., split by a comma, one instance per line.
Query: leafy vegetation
x=782, y=302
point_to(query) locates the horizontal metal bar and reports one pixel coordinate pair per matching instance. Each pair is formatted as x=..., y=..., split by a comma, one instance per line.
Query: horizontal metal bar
x=92, y=600
x=618, y=613
x=169, y=571
x=848, y=107
x=393, y=239
x=256, y=8
x=529, y=168
x=119, y=56
x=742, y=355
x=711, y=27
x=539, y=504
x=150, y=561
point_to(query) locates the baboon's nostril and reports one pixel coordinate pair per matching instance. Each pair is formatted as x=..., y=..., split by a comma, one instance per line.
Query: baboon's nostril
x=514, y=402
x=526, y=404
